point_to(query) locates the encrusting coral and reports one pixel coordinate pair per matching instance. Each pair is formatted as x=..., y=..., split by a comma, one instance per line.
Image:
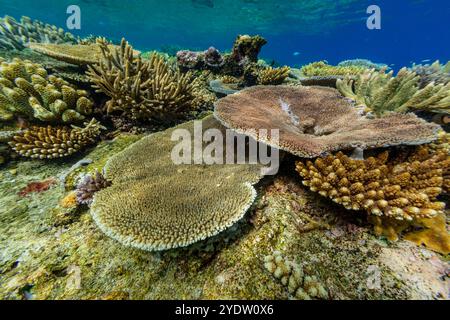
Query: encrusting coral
x=381, y=92
x=144, y=90
x=17, y=35
x=88, y=186
x=313, y=121
x=79, y=54
x=155, y=204
x=397, y=191
x=28, y=91
x=321, y=69
x=273, y=76
x=300, y=285
x=55, y=142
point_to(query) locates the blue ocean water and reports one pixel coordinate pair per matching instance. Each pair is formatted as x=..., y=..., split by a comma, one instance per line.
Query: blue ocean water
x=298, y=31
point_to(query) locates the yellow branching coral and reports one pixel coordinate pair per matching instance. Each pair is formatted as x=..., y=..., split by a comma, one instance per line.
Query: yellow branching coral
x=397, y=192
x=142, y=89
x=322, y=69
x=381, y=92
x=49, y=142
x=273, y=76
x=16, y=35
x=154, y=204
x=27, y=90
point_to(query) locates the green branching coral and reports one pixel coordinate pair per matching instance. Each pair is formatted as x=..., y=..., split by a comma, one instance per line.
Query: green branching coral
x=16, y=35
x=142, y=89
x=154, y=204
x=382, y=92
x=322, y=69
x=273, y=76
x=27, y=90
x=55, y=142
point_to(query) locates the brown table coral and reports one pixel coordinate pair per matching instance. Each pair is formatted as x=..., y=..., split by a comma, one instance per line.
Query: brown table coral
x=313, y=121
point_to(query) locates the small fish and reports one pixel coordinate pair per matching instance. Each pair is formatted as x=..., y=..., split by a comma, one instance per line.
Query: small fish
x=296, y=53
x=426, y=60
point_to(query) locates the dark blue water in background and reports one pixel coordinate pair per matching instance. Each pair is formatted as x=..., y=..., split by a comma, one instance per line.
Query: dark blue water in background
x=298, y=32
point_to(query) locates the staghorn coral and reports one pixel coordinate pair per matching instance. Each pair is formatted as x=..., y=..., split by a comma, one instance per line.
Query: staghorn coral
x=434, y=73
x=88, y=186
x=322, y=69
x=80, y=54
x=273, y=76
x=397, y=191
x=140, y=209
x=50, y=143
x=313, y=121
x=143, y=90
x=381, y=92
x=28, y=91
x=17, y=35
x=300, y=285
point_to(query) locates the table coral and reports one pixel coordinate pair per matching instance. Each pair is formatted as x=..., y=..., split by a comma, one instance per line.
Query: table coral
x=321, y=69
x=28, y=91
x=382, y=92
x=17, y=35
x=143, y=89
x=313, y=121
x=435, y=73
x=55, y=142
x=397, y=191
x=154, y=204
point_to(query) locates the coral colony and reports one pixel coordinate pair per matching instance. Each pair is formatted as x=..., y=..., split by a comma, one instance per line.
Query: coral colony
x=284, y=179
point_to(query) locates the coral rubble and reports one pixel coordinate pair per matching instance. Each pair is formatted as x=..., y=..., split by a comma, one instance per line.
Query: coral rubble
x=55, y=142
x=154, y=204
x=397, y=191
x=17, y=35
x=382, y=92
x=28, y=91
x=315, y=120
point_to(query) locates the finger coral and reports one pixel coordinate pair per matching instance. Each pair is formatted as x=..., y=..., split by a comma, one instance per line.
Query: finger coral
x=273, y=76
x=397, y=191
x=143, y=90
x=381, y=92
x=50, y=143
x=88, y=186
x=321, y=69
x=313, y=121
x=154, y=204
x=28, y=91
x=17, y=35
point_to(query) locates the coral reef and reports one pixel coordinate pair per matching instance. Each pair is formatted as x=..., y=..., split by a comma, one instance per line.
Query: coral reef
x=139, y=209
x=246, y=48
x=50, y=142
x=209, y=59
x=273, y=76
x=88, y=186
x=322, y=69
x=315, y=120
x=28, y=91
x=143, y=90
x=380, y=92
x=364, y=63
x=397, y=191
x=292, y=275
x=434, y=73
x=17, y=35
x=81, y=54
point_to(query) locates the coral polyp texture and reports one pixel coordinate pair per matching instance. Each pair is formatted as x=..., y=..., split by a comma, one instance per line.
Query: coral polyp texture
x=88, y=186
x=55, y=142
x=322, y=69
x=313, y=121
x=381, y=92
x=144, y=89
x=154, y=204
x=273, y=76
x=16, y=35
x=28, y=91
x=397, y=191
